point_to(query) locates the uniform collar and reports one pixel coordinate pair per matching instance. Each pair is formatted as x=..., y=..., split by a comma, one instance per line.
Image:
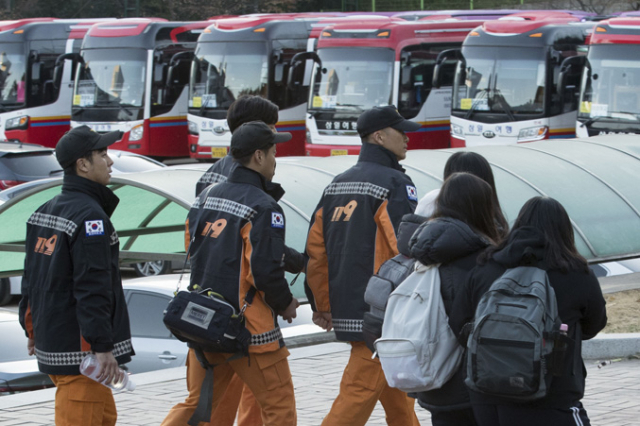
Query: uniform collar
x=376, y=154
x=102, y=194
x=245, y=175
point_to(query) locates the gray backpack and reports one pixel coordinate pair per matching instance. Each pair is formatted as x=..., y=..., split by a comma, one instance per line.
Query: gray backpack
x=513, y=335
x=418, y=351
x=391, y=274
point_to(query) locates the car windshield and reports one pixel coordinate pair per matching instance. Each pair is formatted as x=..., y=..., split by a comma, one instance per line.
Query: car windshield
x=611, y=84
x=353, y=80
x=222, y=72
x=40, y=164
x=124, y=163
x=505, y=80
x=111, y=77
x=12, y=74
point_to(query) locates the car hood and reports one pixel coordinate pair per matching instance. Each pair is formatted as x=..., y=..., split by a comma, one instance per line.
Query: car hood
x=20, y=376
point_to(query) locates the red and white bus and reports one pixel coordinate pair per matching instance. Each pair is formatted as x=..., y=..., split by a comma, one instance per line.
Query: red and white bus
x=35, y=94
x=250, y=55
x=386, y=61
x=518, y=79
x=133, y=76
x=610, y=93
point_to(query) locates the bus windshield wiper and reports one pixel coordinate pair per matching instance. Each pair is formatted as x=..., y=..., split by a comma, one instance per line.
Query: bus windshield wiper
x=204, y=105
x=504, y=104
x=593, y=120
x=632, y=115
x=358, y=108
x=474, y=103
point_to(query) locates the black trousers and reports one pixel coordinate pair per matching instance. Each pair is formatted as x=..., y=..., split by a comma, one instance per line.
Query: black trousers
x=453, y=418
x=509, y=415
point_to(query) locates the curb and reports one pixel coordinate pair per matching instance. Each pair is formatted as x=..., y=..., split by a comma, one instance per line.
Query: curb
x=608, y=346
x=602, y=347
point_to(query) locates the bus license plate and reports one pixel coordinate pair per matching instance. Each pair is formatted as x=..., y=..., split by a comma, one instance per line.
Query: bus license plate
x=338, y=152
x=218, y=152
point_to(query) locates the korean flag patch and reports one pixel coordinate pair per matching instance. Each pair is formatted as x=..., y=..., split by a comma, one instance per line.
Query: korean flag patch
x=93, y=227
x=277, y=220
x=412, y=193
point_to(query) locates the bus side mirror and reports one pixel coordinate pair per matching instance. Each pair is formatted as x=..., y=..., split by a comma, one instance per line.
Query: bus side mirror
x=278, y=73
x=159, y=71
x=59, y=67
x=35, y=72
x=445, y=55
x=175, y=62
x=570, y=66
x=297, y=67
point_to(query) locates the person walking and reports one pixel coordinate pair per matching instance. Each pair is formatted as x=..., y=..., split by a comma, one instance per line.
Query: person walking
x=461, y=227
x=72, y=299
x=477, y=165
x=352, y=232
x=243, y=228
x=238, y=399
x=542, y=235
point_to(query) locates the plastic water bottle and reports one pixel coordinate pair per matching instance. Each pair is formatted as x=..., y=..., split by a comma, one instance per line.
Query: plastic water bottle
x=559, y=350
x=90, y=367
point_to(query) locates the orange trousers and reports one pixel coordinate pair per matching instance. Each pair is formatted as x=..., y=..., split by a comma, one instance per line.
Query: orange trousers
x=237, y=399
x=81, y=401
x=267, y=375
x=363, y=385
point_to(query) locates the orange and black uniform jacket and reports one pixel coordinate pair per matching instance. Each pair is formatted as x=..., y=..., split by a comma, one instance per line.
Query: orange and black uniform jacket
x=239, y=243
x=352, y=232
x=72, y=298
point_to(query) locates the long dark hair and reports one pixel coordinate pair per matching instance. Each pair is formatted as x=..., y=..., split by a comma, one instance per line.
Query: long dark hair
x=549, y=216
x=477, y=165
x=468, y=198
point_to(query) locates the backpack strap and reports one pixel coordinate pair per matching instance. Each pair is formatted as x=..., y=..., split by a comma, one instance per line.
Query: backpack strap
x=202, y=412
x=201, y=200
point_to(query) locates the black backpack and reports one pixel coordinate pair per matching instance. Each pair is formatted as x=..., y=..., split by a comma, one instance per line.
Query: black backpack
x=515, y=331
x=391, y=274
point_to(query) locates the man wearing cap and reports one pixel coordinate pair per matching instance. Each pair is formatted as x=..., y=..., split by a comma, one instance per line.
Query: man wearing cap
x=352, y=232
x=242, y=228
x=72, y=299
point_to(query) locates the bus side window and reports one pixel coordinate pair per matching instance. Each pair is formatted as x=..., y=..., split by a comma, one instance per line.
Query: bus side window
x=168, y=84
x=278, y=91
x=416, y=76
x=572, y=92
x=41, y=65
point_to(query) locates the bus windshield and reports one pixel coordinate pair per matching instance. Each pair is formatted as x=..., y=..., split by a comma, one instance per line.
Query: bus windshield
x=111, y=78
x=12, y=75
x=508, y=80
x=221, y=72
x=611, y=85
x=353, y=79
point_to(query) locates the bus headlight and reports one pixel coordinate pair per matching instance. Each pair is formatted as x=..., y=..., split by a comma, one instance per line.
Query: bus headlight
x=136, y=133
x=193, y=128
x=17, y=123
x=532, y=133
x=308, y=136
x=456, y=131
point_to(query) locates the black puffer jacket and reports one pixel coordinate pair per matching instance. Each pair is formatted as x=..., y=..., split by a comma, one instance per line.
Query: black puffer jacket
x=455, y=246
x=580, y=306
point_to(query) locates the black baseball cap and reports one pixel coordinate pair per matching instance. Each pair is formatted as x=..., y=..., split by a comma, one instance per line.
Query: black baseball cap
x=378, y=118
x=254, y=135
x=79, y=141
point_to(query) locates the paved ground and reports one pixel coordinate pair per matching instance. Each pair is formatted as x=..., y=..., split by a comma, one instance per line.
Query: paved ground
x=612, y=396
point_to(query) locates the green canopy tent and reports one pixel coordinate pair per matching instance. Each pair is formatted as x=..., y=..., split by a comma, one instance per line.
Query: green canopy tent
x=595, y=179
